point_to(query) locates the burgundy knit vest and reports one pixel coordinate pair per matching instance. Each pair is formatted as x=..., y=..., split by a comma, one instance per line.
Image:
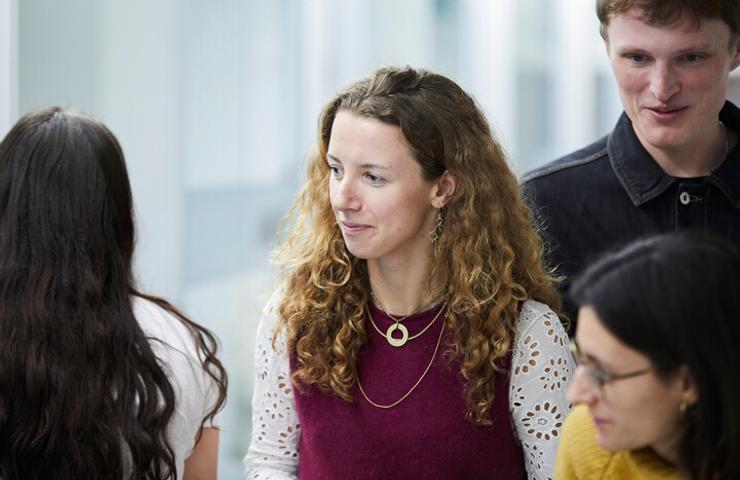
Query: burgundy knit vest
x=424, y=437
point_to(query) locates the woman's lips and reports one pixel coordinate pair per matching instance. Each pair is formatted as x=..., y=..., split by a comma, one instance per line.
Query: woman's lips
x=349, y=228
x=600, y=422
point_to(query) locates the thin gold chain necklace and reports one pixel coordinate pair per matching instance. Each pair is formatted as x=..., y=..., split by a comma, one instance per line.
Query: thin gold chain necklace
x=400, y=342
x=402, y=317
x=429, y=365
x=397, y=325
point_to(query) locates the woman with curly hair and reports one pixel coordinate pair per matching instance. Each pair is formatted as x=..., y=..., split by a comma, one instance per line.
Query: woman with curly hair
x=411, y=337
x=97, y=380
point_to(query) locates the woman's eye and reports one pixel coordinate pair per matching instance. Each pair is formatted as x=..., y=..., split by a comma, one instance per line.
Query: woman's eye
x=602, y=376
x=373, y=178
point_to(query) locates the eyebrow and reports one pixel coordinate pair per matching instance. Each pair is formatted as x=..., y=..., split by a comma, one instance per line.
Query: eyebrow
x=364, y=165
x=692, y=48
x=593, y=359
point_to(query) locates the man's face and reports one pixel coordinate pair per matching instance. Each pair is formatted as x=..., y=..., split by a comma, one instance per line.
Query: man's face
x=673, y=78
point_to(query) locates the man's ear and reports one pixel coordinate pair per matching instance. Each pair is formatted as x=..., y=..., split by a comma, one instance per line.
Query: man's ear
x=735, y=52
x=444, y=189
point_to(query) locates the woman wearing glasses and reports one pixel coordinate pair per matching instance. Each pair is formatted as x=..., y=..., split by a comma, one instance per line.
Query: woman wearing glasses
x=657, y=385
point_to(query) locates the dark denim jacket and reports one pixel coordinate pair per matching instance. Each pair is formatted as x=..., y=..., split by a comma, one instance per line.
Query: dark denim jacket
x=612, y=192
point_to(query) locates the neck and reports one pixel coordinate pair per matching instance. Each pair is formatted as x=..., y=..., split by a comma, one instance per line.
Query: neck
x=668, y=447
x=669, y=452
x=402, y=288
x=698, y=160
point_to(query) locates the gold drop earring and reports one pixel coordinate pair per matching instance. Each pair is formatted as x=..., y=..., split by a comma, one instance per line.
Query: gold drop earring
x=437, y=229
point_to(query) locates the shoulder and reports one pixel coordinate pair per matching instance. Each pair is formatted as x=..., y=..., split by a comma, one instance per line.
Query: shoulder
x=175, y=347
x=272, y=306
x=158, y=323
x=541, y=350
x=270, y=321
x=171, y=340
x=568, y=166
x=537, y=319
x=557, y=192
x=531, y=309
x=173, y=343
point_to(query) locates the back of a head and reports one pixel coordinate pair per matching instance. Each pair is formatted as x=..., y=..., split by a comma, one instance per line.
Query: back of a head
x=79, y=384
x=674, y=299
x=64, y=192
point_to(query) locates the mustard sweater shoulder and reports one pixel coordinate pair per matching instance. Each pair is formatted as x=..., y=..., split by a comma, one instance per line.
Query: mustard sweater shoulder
x=580, y=457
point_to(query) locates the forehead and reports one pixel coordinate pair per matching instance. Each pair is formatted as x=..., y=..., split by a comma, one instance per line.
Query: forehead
x=354, y=137
x=631, y=29
x=596, y=341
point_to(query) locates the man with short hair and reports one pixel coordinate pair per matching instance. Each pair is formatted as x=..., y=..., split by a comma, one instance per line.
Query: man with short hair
x=670, y=163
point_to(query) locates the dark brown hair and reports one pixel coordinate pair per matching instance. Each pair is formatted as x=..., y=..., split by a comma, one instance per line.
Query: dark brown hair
x=82, y=394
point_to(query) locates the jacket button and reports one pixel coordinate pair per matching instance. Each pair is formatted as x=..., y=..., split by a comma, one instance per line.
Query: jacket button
x=685, y=198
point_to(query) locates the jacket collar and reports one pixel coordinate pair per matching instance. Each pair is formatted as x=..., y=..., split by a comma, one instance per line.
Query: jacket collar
x=642, y=177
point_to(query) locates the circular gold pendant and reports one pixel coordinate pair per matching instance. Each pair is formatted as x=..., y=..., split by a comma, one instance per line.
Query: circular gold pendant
x=397, y=342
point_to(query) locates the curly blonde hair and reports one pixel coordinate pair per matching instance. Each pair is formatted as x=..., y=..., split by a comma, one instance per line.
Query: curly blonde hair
x=487, y=261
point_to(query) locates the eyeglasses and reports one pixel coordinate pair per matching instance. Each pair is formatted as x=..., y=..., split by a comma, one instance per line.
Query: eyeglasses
x=597, y=375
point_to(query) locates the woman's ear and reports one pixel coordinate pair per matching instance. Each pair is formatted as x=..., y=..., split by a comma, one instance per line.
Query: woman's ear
x=690, y=392
x=444, y=189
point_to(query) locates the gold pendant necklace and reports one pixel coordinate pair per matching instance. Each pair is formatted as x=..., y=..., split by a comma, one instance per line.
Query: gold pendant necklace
x=400, y=342
x=397, y=325
x=429, y=365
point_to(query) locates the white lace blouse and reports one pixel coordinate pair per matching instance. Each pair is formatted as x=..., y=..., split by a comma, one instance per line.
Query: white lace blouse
x=542, y=367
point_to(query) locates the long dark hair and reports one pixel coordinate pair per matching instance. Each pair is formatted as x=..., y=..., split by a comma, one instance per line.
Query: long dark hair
x=82, y=395
x=674, y=298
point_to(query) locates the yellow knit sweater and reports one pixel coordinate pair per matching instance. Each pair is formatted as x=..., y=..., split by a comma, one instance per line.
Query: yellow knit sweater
x=579, y=457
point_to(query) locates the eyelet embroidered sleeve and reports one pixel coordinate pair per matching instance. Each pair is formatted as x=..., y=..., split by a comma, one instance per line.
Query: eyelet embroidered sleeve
x=273, y=450
x=541, y=370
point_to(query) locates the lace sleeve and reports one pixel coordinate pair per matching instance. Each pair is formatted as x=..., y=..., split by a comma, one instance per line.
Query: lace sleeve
x=541, y=370
x=273, y=450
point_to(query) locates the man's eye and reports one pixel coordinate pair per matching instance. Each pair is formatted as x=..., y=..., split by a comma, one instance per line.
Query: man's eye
x=693, y=57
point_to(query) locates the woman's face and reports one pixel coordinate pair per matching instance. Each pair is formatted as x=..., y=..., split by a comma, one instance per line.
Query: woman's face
x=383, y=205
x=636, y=411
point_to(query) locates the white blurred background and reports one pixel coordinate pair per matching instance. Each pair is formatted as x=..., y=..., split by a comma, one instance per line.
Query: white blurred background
x=216, y=103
